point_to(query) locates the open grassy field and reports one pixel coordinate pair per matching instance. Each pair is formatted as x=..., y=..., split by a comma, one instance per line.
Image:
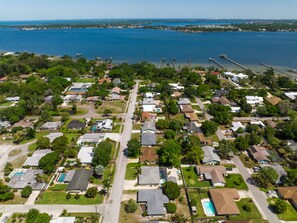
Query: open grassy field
x=236, y=181
x=115, y=107
x=59, y=197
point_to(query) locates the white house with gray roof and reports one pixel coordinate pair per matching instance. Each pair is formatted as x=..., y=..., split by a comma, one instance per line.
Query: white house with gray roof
x=210, y=155
x=27, y=178
x=183, y=101
x=148, y=127
x=85, y=154
x=154, y=200
x=148, y=139
x=52, y=136
x=91, y=138
x=150, y=175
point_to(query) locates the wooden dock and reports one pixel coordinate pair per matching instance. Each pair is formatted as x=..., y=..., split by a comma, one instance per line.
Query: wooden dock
x=217, y=63
x=224, y=56
x=273, y=68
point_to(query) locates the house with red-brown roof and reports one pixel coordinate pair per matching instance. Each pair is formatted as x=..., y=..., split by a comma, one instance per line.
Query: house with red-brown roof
x=288, y=193
x=259, y=154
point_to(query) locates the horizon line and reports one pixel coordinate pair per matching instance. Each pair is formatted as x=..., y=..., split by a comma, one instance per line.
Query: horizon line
x=61, y=19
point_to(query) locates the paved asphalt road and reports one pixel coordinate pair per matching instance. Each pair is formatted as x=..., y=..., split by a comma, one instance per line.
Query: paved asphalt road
x=113, y=204
x=258, y=196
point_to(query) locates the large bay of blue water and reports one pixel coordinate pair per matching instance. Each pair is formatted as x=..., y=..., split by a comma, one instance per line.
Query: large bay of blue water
x=134, y=45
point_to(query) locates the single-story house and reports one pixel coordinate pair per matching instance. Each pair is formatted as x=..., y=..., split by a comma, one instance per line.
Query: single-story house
x=259, y=154
x=192, y=127
x=147, y=116
x=291, y=95
x=12, y=99
x=80, y=180
x=149, y=95
x=25, y=123
x=85, y=154
x=148, y=139
x=104, y=125
x=235, y=109
x=93, y=138
x=292, y=145
x=4, y=124
x=192, y=117
x=210, y=155
x=148, y=105
x=176, y=86
x=93, y=99
x=183, y=101
x=36, y=156
x=72, y=98
x=224, y=201
x=79, y=88
x=148, y=155
x=76, y=125
x=215, y=174
x=53, y=135
x=27, y=178
x=186, y=109
x=69, y=176
x=50, y=126
x=63, y=220
x=154, y=200
x=176, y=94
x=221, y=92
x=282, y=173
x=288, y=193
x=254, y=100
x=148, y=127
x=150, y=175
x=236, y=126
x=203, y=140
x=102, y=80
x=273, y=100
x=116, y=81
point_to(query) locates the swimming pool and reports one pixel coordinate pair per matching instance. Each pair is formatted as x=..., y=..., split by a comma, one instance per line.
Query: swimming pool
x=62, y=177
x=18, y=173
x=208, y=207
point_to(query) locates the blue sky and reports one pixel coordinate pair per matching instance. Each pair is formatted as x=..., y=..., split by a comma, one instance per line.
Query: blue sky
x=89, y=9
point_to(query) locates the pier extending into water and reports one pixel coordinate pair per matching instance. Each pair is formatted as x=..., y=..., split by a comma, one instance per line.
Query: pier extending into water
x=273, y=68
x=224, y=56
x=217, y=63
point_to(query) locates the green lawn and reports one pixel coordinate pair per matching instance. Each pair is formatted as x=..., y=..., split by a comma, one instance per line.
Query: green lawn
x=196, y=107
x=32, y=147
x=70, y=136
x=135, y=136
x=59, y=197
x=179, y=117
x=247, y=162
x=289, y=215
x=131, y=171
x=137, y=126
x=198, y=195
x=247, y=215
x=37, y=136
x=115, y=107
x=58, y=187
x=191, y=178
x=6, y=103
x=86, y=80
x=116, y=128
x=235, y=181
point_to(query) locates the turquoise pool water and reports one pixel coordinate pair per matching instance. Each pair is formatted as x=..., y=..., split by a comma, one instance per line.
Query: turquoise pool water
x=62, y=177
x=18, y=173
x=208, y=208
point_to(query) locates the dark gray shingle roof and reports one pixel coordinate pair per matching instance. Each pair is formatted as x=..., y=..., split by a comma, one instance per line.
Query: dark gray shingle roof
x=148, y=139
x=80, y=180
x=155, y=200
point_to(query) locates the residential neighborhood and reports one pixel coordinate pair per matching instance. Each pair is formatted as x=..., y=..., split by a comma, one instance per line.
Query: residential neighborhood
x=187, y=145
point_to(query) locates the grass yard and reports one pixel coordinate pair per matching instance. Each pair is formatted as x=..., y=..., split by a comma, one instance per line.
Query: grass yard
x=71, y=136
x=115, y=107
x=235, y=181
x=198, y=195
x=137, y=126
x=135, y=136
x=214, y=138
x=131, y=171
x=16, y=200
x=18, y=163
x=182, y=206
x=289, y=215
x=247, y=215
x=196, y=107
x=191, y=178
x=6, y=103
x=247, y=162
x=130, y=217
x=14, y=152
x=86, y=80
x=37, y=136
x=179, y=117
x=116, y=128
x=59, y=197
x=58, y=187
x=32, y=147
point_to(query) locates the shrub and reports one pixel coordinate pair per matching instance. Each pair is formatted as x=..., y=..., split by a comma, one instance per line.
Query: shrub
x=91, y=192
x=193, y=202
x=131, y=206
x=246, y=207
x=171, y=208
x=171, y=190
x=181, y=199
x=77, y=196
x=68, y=196
x=26, y=192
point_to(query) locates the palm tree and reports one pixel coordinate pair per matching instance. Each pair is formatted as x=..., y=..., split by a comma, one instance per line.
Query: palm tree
x=99, y=170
